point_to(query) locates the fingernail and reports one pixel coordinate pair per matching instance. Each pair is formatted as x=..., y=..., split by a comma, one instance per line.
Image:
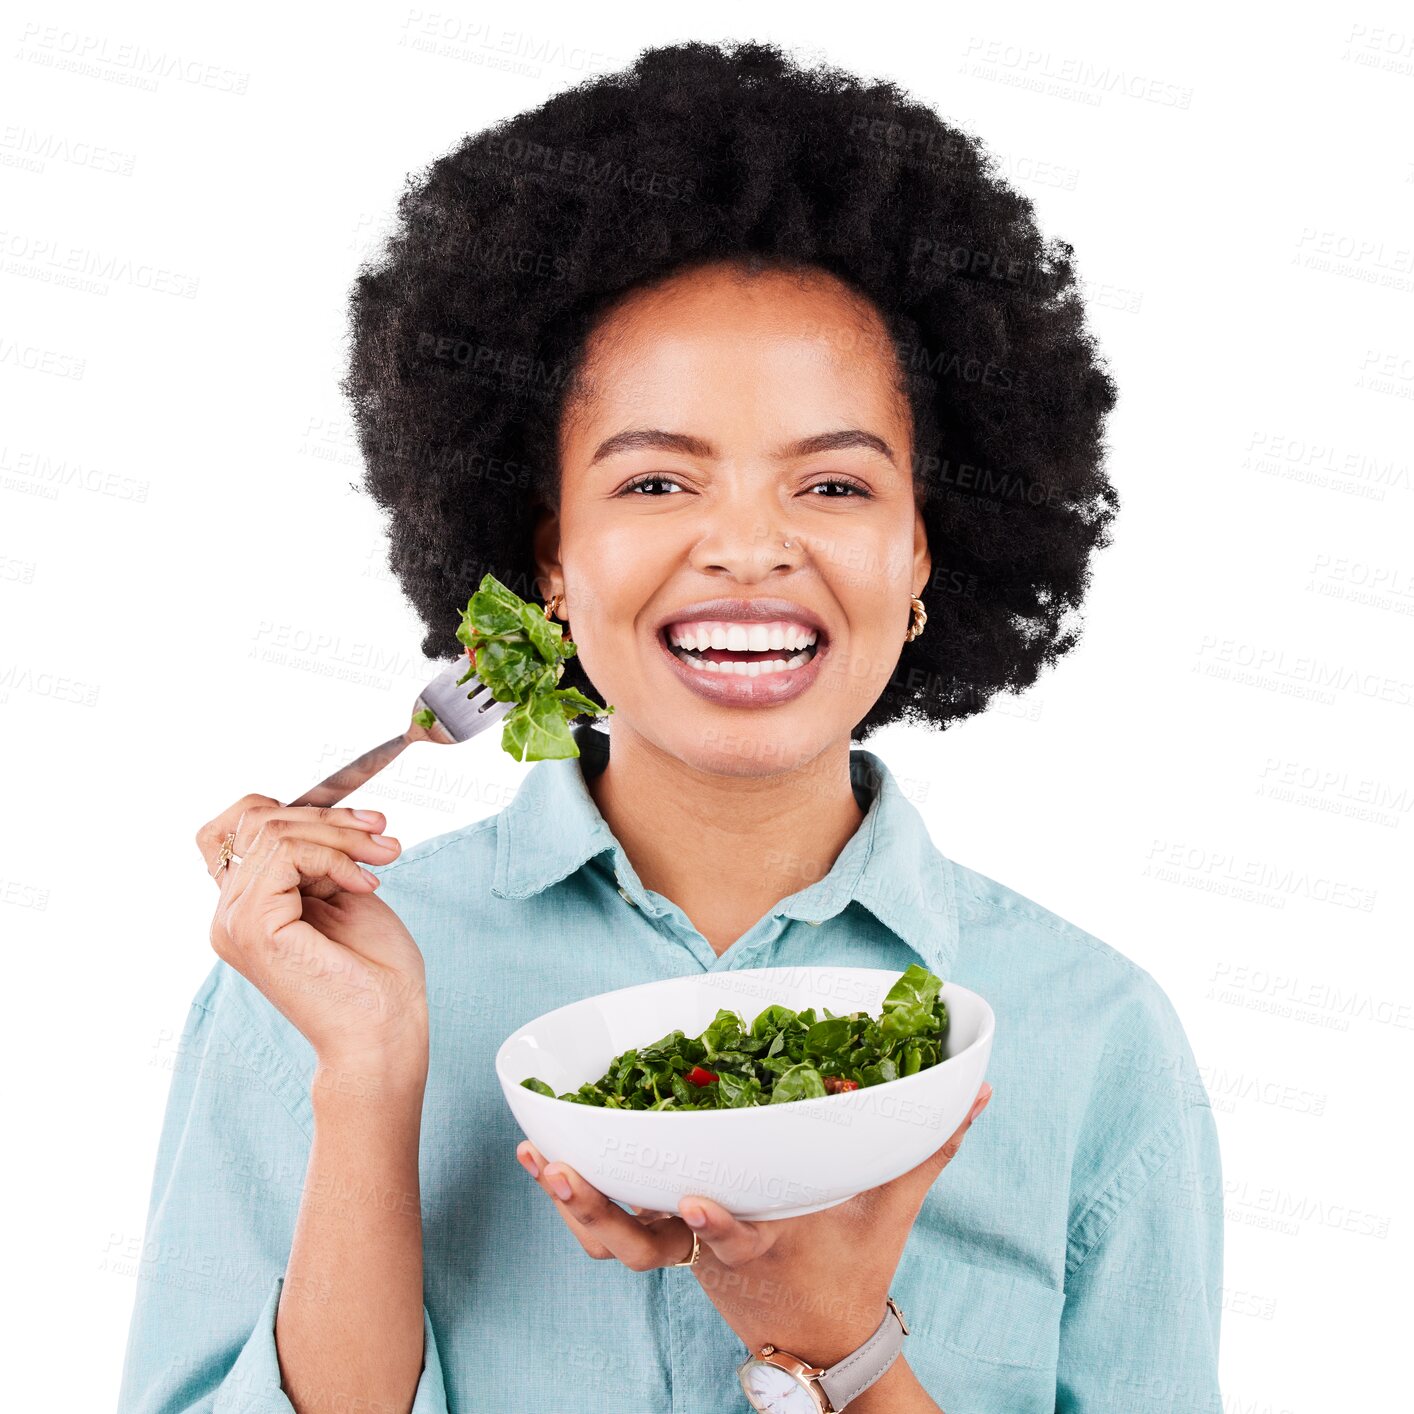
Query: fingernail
x=527, y=1160
x=694, y=1216
x=371, y=817
x=559, y=1186
x=980, y=1103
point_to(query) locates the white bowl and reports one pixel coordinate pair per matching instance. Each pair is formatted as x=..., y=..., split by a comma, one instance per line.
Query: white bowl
x=760, y=1162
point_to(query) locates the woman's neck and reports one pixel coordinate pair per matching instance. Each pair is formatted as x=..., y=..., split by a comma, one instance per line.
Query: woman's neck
x=726, y=849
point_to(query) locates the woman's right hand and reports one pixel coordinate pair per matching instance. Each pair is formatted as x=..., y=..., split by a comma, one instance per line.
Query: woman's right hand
x=301, y=921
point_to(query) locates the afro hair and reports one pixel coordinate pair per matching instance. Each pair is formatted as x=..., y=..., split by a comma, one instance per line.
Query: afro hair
x=467, y=328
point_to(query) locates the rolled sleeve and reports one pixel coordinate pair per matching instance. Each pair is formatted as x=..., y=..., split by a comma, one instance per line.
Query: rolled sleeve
x=1143, y=1297
x=253, y=1385
x=225, y=1196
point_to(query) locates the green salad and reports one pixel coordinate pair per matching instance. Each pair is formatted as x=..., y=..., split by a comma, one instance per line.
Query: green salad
x=520, y=655
x=783, y=1055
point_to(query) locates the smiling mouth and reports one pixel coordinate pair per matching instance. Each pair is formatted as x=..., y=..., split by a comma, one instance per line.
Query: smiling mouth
x=744, y=662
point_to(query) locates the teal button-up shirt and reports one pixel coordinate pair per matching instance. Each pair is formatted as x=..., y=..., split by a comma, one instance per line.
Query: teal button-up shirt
x=1070, y=1260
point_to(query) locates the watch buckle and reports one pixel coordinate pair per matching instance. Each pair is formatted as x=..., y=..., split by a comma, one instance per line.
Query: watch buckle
x=893, y=1306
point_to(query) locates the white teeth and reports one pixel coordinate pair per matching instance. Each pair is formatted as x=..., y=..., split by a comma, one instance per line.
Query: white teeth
x=750, y=670
x=741, y=637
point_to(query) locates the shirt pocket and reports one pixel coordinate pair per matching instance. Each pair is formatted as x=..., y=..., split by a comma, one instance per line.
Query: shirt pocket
x=981, y=1339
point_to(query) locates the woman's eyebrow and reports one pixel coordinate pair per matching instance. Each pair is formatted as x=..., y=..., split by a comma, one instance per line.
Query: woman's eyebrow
x=836, y=442
x=655, y=439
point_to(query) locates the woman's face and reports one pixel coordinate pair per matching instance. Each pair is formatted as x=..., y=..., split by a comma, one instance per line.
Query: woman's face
x=686, y=465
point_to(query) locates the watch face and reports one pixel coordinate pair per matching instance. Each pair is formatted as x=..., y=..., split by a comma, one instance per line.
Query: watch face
x=771, y=1388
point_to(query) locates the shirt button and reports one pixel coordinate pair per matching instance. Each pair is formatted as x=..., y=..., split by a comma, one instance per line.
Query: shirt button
x=627, y=899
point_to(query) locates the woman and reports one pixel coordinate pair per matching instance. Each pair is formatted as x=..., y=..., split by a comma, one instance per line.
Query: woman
x=718, y=342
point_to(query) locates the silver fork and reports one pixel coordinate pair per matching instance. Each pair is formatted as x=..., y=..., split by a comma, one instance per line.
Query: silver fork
x=459, y=717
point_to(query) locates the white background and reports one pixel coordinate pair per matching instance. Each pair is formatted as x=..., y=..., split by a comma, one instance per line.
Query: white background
x=1218, y=782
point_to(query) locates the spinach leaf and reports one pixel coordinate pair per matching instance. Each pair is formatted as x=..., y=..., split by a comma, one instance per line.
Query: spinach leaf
x=520, y=655
x=772, y=1020
x=826, y=1037
x=917, y=987
x=800, y=1082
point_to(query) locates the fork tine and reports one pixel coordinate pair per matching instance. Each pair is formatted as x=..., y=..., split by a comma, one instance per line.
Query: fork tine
x=462, y=709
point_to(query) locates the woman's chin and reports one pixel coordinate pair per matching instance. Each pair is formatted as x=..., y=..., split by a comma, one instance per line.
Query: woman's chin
x=748, y=753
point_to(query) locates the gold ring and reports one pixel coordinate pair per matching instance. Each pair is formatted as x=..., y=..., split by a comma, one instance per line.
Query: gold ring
x=227, y=856
x=692, y=1260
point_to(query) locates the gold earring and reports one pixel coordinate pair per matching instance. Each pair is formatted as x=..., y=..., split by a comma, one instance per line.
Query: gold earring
x=552, y=605
x=920, y=617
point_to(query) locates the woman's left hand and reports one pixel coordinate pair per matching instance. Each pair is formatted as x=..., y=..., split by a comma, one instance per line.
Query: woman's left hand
x=813, y=1285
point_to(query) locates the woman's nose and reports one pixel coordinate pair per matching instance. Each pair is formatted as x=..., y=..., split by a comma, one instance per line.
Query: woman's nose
x=747, y=545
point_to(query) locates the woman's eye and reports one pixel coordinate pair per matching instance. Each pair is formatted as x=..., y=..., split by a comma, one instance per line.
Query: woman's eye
x=850, y=486
x=647, y=481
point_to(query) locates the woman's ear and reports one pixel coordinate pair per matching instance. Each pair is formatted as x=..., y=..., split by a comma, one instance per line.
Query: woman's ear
x=545, y=549
x=922, y=559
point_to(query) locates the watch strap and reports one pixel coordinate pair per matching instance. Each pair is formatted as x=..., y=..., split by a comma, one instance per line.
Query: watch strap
x=850, y=1377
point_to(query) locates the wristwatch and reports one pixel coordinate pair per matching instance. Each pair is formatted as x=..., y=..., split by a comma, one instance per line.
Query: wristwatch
x=780, y=1383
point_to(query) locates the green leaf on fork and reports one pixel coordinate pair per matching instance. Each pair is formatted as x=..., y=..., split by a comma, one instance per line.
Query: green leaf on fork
x=520, y=655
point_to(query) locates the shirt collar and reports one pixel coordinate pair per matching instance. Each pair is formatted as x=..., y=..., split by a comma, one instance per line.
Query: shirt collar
x=890, y=864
